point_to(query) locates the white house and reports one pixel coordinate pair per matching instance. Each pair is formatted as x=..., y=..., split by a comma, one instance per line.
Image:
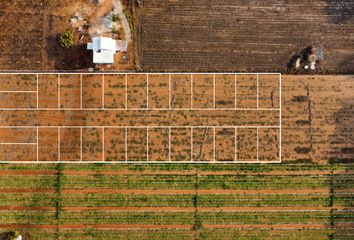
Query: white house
x=105, y=48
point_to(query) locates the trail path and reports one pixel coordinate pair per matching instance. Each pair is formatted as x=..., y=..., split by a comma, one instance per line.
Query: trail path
x=123, y=19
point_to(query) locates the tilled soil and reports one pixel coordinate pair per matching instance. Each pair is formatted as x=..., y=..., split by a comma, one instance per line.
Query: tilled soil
x=244, y=36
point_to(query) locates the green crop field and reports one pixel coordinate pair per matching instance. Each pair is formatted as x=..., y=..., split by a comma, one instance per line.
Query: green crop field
x=280, y=201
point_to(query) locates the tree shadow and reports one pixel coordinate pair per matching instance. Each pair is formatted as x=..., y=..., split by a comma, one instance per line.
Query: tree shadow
x=5, y=236
x=340, y=11
x=74, y=58
x=342, y=144
x=341, y=156
x=347, y=65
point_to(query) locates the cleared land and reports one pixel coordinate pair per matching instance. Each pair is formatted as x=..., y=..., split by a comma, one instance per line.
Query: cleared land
x=242, y=36
x=177, y=117
x=148, y=117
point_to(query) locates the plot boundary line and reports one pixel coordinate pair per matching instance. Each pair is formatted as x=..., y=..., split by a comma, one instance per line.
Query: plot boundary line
x=59, y=91
x=147, y=144
x=144, y=109
x=192, y=147
x=214, y=160
x=147, y=108
x=103, y=92
x=126, y=92
x=214, y=146
x=137, y=73
x=37, y=91
x=235, y=157
x=280, y=118
x=147, y=90
x=126, y=144
x=169, y=144
x=257, y=144
x=192, y=95
x=81, y=91
x=59, y=150
x=150, y=126
x=169, y=91
x=37, y=145
x=214, y=94
x=103, y=144
x=257, y=127
x=257, y=91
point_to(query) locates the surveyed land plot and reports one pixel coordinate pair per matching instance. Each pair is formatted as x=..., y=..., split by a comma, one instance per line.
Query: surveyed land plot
x=133, y=118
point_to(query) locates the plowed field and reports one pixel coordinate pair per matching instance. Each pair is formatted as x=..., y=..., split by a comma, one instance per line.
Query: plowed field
x=244, y=36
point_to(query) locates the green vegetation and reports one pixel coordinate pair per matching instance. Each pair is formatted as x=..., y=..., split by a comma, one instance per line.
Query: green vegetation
x=66, y=39
x=114, y=30
x=115, y=17
x=191, y=206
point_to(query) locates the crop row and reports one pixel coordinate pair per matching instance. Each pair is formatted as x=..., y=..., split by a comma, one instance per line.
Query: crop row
x=180, y=182
x=244, y=168
x=181, y=200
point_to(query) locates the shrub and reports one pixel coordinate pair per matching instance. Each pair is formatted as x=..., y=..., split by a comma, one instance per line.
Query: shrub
x=115, y=17
x=67, y=39
x=114, y=30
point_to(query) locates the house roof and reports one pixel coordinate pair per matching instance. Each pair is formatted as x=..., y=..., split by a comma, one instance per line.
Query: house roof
x=103, y=43
x=103, y=57
x=103, y=50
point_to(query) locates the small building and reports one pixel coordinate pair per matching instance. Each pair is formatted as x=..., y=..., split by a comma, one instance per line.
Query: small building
x=105, y=48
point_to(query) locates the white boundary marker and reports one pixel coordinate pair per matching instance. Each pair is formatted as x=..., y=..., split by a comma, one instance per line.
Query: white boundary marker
x=192, y=96
x=257, y=91
x=214, y=92
x=81, y=91
x=169, y=144
x=103, y=92
x=147, y=127
x=147, y=108
x=147, y=144
x=154, y=126
x=17, y=143
x=192, y=145
x=103, y=148
x=147, y=91
x=169, y=91
x=80, y=144
x=18, y=91
x=126, y=128
x=37, y=145
x=214, y=144
x=59, y=157
x=280, y=117
x=37, y=91
x=257, y=144
x=59, y=91
x=126, y=91
x=235, y=146
x=235, y=91
x=126, y=144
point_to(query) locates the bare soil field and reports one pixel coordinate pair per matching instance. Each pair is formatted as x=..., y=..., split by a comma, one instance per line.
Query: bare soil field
x=243, y=36
x=176, y=117
x=64, y=117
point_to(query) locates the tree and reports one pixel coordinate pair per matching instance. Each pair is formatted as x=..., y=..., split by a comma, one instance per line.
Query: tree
x=67, y=39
